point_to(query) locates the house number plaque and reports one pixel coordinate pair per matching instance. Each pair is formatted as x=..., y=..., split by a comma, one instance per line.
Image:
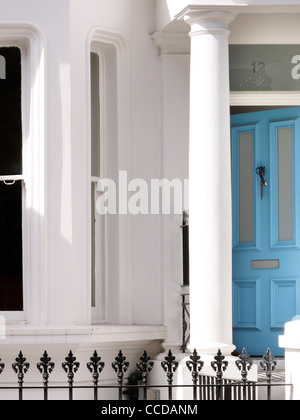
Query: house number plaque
x=264, y=67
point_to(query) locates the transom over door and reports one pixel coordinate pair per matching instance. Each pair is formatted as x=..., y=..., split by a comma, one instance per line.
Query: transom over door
x=266, y=253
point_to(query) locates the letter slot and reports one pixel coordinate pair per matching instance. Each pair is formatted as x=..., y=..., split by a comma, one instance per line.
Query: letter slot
x=265, y=264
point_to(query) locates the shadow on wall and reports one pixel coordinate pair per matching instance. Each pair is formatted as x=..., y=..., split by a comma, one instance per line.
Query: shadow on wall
x=166, y=10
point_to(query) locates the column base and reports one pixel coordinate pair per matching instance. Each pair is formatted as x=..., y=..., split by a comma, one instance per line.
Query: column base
x=213, y=348
x=290, y=341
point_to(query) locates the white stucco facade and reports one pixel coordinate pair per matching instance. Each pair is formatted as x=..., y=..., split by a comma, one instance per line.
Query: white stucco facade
x=57, y=313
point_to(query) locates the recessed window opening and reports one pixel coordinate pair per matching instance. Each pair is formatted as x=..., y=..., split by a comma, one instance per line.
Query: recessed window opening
x=108, y=154
x=97, y=222
x=12, y=188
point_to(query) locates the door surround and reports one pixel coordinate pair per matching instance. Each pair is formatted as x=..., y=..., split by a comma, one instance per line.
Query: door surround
x=265, y=99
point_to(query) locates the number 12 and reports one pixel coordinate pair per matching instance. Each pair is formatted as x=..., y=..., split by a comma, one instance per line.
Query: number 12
x=258, y=67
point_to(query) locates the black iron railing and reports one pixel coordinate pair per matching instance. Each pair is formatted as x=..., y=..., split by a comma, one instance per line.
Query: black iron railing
x=203, y=387
x=185, y=308
x=186, y=282
x=186, y=248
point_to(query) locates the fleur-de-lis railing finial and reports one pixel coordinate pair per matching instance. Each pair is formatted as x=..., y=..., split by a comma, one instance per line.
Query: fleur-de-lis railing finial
x=219, y=365
x=244, y=364
x=145, y=367
x=45, y=367
x=170, y=366
x=269, y=365
x=71, y=366
x=195, y=365
x=21, y=367
x=120, y=366
x=95, y=366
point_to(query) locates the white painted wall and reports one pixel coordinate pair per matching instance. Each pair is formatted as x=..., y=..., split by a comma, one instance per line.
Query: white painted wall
x=175, y=69
x=146, y=163
x=166, y=11
x=141, y=153
x=66, y=26
x=134, y=246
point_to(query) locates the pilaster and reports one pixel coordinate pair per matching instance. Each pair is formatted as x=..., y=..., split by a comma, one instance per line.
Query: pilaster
x=175, y=73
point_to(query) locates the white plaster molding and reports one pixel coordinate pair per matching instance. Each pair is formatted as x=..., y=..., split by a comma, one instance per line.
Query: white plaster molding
x=172, y=42
x=33, y=45
x=265, y=98
x=98, y=39
x=107, y=335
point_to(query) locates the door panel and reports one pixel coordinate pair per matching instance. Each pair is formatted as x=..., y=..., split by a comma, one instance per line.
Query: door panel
x=266, y=254
x=284, y=194
x=246, y=196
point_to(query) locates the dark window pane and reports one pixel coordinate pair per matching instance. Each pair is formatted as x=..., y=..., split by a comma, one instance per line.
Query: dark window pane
x=11, y=260
x=95, y=115
x=10, y=113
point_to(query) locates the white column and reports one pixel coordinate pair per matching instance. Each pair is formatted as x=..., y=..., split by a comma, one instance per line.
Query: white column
x=210, y=183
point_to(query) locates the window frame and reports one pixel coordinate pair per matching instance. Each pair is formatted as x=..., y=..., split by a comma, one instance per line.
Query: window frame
x=20, y=315
x=32, y=44
x=98, y=238
x=117, y=241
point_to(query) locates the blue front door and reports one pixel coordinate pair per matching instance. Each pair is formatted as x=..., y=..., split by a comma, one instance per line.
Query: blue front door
x=266, y=226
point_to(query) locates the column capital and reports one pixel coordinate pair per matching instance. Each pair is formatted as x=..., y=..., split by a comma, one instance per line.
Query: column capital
x=208, y=19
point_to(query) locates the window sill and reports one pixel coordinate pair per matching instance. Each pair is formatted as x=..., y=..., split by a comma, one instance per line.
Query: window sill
x=13, y=317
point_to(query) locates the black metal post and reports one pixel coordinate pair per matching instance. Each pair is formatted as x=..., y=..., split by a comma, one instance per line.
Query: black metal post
x=120, y=366
x=244, y=364
x=21, y=367
x=219, y=366
x=186, y=250
x=70, y=366
x=185, y=322
x=145, y=367
x=170, y=366
x=45, y=367
x=269, y=365
x=95, y=366
x=195, y=366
